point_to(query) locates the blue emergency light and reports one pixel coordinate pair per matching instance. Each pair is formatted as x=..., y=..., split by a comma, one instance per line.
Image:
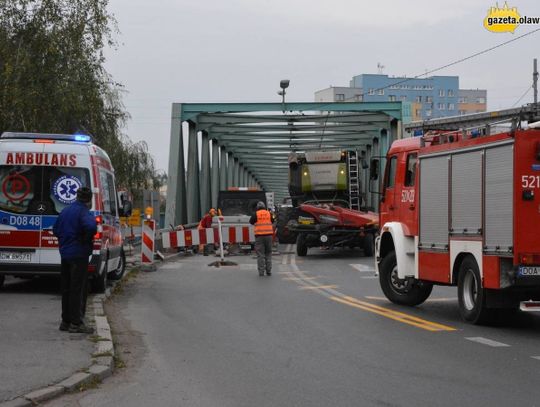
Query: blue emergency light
x=81, y=138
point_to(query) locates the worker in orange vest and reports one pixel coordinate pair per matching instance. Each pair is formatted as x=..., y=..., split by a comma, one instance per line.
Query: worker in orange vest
x=262, y=219
x=205, y=223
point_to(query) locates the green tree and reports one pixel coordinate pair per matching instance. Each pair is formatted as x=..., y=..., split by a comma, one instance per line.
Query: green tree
x=52, y=78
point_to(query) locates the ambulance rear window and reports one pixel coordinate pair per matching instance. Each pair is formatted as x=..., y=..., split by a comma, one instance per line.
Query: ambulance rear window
x=39, y=190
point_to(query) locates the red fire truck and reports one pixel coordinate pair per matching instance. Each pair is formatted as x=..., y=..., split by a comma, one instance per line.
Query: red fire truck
x=461, y=206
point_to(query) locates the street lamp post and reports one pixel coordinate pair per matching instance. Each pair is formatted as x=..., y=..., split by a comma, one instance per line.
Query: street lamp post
x=283, y=84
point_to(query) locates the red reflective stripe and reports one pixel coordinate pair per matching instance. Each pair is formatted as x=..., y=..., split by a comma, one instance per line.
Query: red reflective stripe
x=145, y=259
x=232, y=235
x=216, y=235
x=245, y=234
x=174, y=239
x=148, y=242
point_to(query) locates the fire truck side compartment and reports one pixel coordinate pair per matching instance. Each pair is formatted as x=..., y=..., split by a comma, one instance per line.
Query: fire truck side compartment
x=434, y=205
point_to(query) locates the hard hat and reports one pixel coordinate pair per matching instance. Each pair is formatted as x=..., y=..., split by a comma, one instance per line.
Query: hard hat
x=261, y=205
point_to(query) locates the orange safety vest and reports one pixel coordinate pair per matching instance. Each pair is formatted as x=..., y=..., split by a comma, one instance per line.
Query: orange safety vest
x=263, y=226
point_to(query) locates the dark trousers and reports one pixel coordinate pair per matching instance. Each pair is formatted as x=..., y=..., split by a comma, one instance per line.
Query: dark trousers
x=263, y=247
x=74, y=286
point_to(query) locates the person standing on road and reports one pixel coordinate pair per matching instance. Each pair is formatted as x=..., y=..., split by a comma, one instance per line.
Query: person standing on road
x=206, y=223
x=75, y=229
x=262, y=219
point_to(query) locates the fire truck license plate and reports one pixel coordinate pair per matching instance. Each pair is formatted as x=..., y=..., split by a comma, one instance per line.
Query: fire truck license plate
x=15, y=256
x=529, y=271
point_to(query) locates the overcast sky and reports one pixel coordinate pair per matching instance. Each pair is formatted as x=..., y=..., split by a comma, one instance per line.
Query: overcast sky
x=238, y=51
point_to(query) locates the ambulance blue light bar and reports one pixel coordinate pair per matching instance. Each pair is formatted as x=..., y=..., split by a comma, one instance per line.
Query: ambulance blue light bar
x=80, y=138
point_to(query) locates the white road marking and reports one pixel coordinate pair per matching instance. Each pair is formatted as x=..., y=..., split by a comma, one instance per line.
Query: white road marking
x=368, y=277
x=536, y=357
x=363, y=267
x=488, y=342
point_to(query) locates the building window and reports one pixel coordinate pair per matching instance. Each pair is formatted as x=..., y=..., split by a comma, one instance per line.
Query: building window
x=450, y=93
x=340, y=97
x=441, y=106
x=481, y=100
x=418, y=112
x=450, y=106
x=462, y=112
x=358, y=98
x=428, y=113
x=429, y=99
x=392, y=98
x=441, y=92
x=371, y=92
x=403, y=98
x=381, y=92
x=462, y=100
x=418, y=99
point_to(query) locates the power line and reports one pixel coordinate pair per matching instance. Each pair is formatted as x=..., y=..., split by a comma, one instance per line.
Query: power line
x=522, y=96
x=502, y=44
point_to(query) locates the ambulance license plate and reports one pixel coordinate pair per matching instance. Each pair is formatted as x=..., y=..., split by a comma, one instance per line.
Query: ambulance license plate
x=525, y=271
x=16, y=256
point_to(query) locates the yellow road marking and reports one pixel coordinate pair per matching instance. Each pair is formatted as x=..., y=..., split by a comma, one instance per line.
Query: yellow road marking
x=316, y=287
x=396, y=315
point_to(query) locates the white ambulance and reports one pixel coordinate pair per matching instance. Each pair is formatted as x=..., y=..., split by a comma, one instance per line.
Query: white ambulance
x=39, y=176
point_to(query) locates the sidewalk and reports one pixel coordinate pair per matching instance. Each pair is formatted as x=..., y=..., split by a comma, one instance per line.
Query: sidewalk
x=39, y=362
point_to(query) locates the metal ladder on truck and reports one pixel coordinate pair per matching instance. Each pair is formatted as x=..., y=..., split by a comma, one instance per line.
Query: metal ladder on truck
x=354, y=184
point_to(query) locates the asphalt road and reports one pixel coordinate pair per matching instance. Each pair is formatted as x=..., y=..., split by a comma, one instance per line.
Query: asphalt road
x=34, y=353
x=316, y=333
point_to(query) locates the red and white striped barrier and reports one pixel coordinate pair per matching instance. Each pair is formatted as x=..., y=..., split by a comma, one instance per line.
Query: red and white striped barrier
x=148, y=239
x=231, y=234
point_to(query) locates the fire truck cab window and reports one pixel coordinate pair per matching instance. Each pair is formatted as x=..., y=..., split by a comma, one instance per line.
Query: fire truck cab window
x=410, y=173
x=391, y=172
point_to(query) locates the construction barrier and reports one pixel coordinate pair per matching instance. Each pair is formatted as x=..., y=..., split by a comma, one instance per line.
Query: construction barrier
x=148, y=242
x=186, y=238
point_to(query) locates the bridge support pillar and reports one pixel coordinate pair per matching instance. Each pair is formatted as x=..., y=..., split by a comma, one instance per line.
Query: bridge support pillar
x=236, y=173
x=223, y=169
x=230, y=170
x=215, y=173
x=193, y=201
x=204, y=185
x=175, y=208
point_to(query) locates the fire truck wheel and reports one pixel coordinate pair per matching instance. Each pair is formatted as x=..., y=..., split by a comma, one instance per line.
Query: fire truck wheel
x=99, y=284
x=119, y=272
x=301, y=246
x=409, y=292
x=471, y=295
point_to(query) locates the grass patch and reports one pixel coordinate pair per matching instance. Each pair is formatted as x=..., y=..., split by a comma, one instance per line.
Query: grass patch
x=91, y=384
x=118, y=362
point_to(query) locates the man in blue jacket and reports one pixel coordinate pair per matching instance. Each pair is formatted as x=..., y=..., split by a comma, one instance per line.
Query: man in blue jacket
x=75, y=229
